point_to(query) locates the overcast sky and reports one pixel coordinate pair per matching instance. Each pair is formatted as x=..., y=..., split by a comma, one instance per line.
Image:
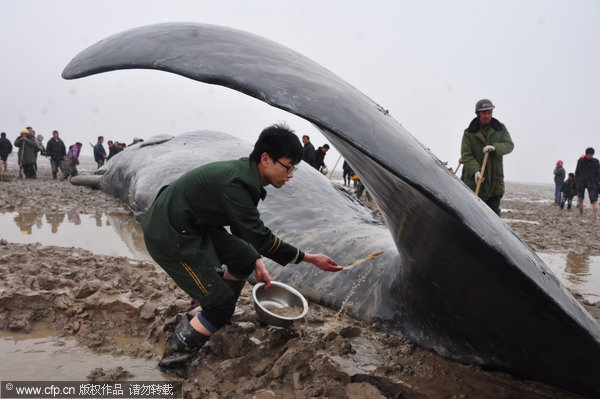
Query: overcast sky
x=427, y=62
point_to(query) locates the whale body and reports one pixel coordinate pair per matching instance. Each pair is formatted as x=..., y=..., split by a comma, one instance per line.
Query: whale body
x=453, y=277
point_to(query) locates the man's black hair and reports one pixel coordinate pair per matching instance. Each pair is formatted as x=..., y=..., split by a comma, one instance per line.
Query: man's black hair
x=3, y=134
x=326, y=146
x=100, y=137
x=79, y=144
x=307, y=138
x=278, y=141
x=589, y=150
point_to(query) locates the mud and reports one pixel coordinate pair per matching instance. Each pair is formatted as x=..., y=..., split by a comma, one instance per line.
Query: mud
x=104, y=302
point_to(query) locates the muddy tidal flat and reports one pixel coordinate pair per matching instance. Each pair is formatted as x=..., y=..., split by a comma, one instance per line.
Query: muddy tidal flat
x=80, y=300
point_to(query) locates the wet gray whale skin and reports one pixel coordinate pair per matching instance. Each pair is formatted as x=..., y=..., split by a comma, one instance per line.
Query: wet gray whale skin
x=454, y=277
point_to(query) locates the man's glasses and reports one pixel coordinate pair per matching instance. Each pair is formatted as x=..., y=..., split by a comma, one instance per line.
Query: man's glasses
x=289, y=169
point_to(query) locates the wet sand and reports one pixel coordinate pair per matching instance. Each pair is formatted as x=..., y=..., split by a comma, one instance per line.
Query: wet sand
x=101, y=300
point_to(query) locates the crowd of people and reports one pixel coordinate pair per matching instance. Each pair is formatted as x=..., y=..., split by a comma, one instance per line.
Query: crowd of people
x=30, y=146
x=586, y=177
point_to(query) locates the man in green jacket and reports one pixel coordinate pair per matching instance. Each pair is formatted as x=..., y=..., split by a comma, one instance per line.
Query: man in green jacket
x=27, y=153
x=184, y=233
x=486, y=134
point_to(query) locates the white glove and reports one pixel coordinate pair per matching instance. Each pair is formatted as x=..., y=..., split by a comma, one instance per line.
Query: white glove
x=489, y=148
x=477, y=177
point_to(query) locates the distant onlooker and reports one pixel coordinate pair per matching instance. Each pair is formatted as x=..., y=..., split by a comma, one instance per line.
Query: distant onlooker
x=113, y=149
x=568, y=190
x=308, y=151
x=27, y=153
x=72, y=161
x=320, y=157
x=57, y=152
x=559, y=179
x=587, y=175
x=99, y=152
x=39, y=142
x=5, y=148
x=136, y=140
x=348, y=173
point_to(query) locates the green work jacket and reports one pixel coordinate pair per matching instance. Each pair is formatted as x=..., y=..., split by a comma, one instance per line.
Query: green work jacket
x=472, y=155
x=214, y=195
x=27, y=150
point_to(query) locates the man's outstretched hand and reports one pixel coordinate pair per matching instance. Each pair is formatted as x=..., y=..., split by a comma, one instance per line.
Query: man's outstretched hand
x=323, y=262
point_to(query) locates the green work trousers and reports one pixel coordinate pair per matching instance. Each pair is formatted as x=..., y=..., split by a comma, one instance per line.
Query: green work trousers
x=191, y=260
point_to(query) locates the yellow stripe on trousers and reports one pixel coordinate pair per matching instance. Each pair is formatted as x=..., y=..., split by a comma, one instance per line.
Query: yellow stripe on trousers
x=196, y=279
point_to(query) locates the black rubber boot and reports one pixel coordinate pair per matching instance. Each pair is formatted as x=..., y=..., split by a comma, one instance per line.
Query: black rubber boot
x=181, y=346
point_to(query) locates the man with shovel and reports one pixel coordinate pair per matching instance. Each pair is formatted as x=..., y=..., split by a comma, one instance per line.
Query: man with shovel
x=484, y=143
x=184, y=233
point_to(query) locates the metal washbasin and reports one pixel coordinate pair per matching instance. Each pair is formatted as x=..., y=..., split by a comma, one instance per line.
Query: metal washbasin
x=279, y=305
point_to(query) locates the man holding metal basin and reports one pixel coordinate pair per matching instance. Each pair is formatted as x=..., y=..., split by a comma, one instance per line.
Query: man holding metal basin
x=184, y=233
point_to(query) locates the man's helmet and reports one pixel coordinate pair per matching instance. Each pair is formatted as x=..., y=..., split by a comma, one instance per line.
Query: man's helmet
x=483, y=105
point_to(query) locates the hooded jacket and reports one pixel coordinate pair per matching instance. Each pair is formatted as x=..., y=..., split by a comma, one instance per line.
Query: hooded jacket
x=27, y=150
x=472, y=154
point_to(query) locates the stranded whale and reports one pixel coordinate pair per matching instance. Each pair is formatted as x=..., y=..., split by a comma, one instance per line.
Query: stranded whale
x=453, y=276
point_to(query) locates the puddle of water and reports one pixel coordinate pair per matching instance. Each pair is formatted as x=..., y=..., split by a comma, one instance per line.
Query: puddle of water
x=43, y=355
x=114, y=235
x=578, y=272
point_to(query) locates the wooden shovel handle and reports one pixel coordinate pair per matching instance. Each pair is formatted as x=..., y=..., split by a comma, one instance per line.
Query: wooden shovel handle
x=485, y=158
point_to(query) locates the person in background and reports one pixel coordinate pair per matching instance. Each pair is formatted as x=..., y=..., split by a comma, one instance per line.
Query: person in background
x=136, y=140
x=113, y=149
x=39, y=142
x=72, y=161
x=348, y=173
x=308, y=151
x=320, y=157
x=6, y=148
x=568, y=190
x=559, y=179
x=486, y=134
x=196, y=208
x=587, y=175
x=99, y=152
x=27, y=153
x=57, y=152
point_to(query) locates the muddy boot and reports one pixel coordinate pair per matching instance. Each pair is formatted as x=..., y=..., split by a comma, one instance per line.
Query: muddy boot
x=181, y=346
